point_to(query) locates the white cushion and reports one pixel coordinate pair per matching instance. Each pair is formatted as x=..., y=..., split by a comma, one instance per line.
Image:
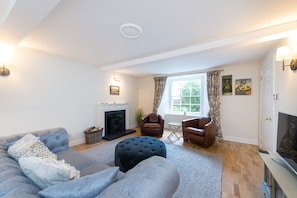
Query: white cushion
x=47, y=172
x=42, y=151
x=30, y=145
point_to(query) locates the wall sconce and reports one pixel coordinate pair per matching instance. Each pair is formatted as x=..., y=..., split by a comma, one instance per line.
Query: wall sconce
x=284, y=53
x=116, y=79
x=4, y=71
x=5, y=54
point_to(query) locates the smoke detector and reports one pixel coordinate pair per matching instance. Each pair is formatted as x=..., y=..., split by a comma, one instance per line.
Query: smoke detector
x=130, y=30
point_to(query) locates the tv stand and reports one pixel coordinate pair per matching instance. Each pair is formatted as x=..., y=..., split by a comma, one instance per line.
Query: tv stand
x=279, y=181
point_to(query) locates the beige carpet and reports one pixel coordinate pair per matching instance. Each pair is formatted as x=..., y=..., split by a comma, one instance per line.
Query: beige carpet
x=200, y=172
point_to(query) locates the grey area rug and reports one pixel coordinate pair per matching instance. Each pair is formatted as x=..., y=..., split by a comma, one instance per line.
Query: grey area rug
x=200, y=172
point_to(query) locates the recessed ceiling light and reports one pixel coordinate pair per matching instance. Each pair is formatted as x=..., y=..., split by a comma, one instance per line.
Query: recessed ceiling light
x=130, y=30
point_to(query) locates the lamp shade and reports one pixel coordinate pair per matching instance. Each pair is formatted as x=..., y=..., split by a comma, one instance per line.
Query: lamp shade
x=283, y=53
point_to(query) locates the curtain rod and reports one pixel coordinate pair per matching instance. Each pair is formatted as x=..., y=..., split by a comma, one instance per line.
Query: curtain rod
x=191, y=72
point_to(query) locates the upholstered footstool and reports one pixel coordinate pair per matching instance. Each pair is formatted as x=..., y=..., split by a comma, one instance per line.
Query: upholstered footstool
x=131, y=151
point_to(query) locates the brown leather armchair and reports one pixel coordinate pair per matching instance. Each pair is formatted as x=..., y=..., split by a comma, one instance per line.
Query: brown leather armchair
x=152, y=125
x=199, y=130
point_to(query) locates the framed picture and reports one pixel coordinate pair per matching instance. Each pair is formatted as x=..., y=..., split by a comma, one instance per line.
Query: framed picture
x=243, y=86
x=114, y=90
x=227, y=85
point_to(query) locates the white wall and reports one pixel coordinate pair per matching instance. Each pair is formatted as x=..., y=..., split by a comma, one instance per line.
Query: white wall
x=285, y=87
x=47, y=91
x=240, y=113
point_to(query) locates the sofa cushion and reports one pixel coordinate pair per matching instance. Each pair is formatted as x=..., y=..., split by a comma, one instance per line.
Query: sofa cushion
x=152, y=177
x=29, y=145
x=83, y=163
x=76, y=159
x=87, y=186
x=151, y=125
x=94, y=168
x=56, y=171
x=195, y=131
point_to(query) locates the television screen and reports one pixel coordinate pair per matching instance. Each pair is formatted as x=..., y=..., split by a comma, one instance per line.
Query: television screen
x=287, y=139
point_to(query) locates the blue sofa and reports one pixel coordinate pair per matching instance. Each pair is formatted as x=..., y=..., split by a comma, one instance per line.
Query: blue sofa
x=153, y=177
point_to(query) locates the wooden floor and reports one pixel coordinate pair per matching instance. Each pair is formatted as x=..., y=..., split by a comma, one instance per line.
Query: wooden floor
x=242, y=172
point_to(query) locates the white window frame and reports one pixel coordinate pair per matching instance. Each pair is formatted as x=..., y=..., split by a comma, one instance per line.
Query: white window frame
x=203, y=93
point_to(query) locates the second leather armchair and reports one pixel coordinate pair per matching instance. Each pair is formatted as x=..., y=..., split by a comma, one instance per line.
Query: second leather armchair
x=152, y=125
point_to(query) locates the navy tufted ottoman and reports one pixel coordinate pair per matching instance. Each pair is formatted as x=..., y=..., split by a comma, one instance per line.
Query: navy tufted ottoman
x=131, y=151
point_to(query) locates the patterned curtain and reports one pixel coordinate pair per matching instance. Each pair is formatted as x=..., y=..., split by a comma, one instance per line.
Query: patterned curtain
x=160, y=83
x=213, y=90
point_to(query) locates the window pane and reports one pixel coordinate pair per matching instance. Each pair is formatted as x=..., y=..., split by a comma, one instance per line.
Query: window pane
x=199, y=91
x=195, y=91
x=186, y=84
x=185, y=91
x=176, y=88
x=176, y=101
x=185, y=95
x=195, y=108
x=195, y=83
x=185, y=100
x=176, y=108
x=175, y=92
x=186, y=108
x=195, y=100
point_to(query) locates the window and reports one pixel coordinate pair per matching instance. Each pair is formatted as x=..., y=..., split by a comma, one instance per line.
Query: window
x=185, y=94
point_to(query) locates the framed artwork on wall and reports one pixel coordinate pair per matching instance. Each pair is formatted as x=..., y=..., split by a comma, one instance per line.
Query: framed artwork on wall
x=114, y=90
x=227, y=85
x=243, y=86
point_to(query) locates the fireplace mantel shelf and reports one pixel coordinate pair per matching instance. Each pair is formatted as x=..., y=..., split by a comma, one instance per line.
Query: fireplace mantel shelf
x=113, y=106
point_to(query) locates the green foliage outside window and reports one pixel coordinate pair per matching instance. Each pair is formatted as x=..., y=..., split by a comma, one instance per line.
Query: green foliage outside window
x=186, y=96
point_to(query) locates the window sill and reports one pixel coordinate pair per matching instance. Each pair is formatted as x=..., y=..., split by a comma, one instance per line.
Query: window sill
x=182, y=114
x=170, y=117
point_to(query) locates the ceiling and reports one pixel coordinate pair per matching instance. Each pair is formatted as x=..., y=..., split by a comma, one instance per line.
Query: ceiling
x=178, y=36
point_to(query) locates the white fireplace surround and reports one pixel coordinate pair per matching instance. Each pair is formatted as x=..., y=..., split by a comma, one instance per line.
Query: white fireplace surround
x=102, y=108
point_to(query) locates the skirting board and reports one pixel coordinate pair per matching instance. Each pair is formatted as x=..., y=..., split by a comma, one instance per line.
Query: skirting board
x=77, y=142
x=241, y=140
x=73, y=142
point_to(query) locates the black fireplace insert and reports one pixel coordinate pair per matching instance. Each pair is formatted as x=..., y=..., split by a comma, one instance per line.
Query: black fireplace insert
x=115, y=124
